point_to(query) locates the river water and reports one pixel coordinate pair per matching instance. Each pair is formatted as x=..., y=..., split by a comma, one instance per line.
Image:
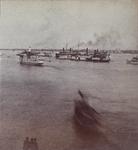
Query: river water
x=38, y=102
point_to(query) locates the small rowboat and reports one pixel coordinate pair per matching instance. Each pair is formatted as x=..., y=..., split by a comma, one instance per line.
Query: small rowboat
x=84, y=114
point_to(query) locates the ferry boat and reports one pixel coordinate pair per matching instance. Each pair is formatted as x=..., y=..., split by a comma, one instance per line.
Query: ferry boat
x=96, y=56
x=99, y=56
x=133, y=61
x=30, y=58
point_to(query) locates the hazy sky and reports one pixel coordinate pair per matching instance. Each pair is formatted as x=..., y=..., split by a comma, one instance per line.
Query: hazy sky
x=53, y=23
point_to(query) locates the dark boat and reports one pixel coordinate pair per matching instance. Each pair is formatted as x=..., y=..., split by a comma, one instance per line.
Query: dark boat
x=84, y=114
x=99, y=56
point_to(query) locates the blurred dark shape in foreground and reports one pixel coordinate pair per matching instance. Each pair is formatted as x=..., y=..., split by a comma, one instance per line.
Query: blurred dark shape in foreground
x=85, y=115
x=91, y=126
x=30, y=144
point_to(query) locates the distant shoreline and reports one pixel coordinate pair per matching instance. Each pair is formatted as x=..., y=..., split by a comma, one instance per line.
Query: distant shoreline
x=82, y=50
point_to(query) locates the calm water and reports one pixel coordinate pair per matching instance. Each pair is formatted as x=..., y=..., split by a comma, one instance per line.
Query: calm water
x=38, y=102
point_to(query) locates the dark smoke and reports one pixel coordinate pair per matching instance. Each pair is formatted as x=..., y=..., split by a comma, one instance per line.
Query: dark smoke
x=108, y=40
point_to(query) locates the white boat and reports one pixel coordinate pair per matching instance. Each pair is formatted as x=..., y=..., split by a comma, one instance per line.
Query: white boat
x=30, y=58
x=133, y=61
x=32, y=63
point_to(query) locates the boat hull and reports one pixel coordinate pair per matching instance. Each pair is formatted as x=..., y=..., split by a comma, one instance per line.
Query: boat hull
x=32, y=63
x=85, y=115
x=98, y=60
x=102, y=61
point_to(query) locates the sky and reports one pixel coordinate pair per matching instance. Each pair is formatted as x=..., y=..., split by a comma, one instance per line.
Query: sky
x=103, y=24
